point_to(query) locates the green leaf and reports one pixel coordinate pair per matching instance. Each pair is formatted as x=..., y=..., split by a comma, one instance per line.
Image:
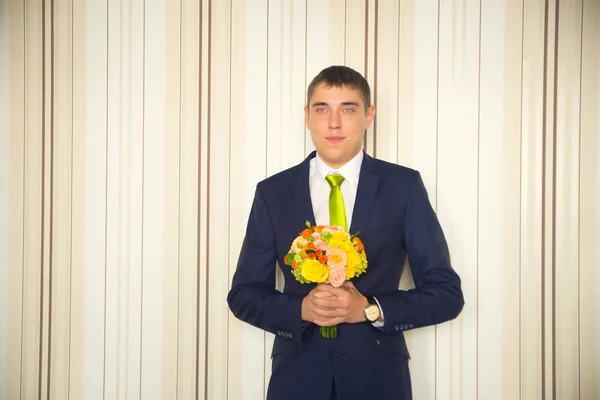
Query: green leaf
x=355, y=235
x=289, y=258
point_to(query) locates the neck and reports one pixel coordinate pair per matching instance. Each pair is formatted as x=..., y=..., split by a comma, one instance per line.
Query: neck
x=337, y=165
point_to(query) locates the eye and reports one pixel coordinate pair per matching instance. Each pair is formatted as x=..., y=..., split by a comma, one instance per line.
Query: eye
x=321, y=110
x=349, y=110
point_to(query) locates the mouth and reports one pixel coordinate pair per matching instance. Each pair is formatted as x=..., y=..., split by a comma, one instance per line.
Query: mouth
x=335, y=139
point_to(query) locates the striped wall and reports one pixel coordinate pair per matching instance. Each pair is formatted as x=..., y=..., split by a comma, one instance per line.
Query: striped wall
x=133, y=133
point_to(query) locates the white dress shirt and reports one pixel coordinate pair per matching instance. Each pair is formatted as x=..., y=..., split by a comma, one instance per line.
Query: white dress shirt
x=320, y=189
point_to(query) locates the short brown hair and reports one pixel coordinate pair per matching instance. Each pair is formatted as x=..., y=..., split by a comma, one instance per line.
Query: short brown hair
x=338, y=76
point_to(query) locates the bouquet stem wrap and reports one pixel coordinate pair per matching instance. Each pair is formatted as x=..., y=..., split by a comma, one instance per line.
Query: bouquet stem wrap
x=329, y=332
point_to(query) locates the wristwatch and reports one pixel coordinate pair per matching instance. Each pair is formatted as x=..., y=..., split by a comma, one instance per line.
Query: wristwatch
x=372, y=312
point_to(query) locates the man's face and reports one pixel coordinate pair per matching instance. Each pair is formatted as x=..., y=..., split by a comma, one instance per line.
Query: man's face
x=337, y=121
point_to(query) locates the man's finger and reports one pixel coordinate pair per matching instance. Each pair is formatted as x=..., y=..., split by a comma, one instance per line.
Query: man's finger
x=325, y=303
x=348, y=284
x=326, y=313
x=329, y=321
x=323, y=294
x=333, y=291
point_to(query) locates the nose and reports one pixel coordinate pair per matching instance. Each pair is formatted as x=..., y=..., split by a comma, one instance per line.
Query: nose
x=334, y=120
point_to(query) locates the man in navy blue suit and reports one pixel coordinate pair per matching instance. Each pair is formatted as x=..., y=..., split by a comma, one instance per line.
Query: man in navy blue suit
x=389, y=205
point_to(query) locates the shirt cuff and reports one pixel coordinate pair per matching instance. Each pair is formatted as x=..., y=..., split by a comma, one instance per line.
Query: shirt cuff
x=379, y=324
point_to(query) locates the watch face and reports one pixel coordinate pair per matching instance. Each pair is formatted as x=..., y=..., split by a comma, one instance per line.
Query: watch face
x=372, y=313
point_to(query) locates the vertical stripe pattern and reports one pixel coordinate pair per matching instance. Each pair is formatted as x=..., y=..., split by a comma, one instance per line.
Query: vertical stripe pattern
x=133, y=133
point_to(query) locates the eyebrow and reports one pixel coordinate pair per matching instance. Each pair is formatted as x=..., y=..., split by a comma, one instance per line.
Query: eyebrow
x=345, y=103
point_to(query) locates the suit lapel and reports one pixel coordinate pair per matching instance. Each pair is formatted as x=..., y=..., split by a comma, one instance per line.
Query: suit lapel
x=303, y=209
x=365, y=195
x=368, y=184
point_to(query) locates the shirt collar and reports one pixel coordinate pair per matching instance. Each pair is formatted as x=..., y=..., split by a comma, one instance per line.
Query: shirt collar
x=350, y=171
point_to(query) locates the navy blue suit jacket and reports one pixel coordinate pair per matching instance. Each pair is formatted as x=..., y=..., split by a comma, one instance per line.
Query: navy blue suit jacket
x=393, y=213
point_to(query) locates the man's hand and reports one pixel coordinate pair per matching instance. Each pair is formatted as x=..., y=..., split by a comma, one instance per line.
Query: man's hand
x=326, y=305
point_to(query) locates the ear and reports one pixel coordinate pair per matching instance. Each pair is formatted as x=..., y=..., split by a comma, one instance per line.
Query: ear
x=306, y=115
x=370, y=115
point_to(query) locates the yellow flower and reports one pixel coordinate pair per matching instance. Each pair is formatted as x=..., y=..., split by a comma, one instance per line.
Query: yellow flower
x=314, y=271
x=343, y=245
x=353, y=259
x=341, y=236
x=350, y=272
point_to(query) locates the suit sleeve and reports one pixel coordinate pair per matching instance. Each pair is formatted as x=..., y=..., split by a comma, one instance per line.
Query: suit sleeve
x=437, y=296
x=253, y=297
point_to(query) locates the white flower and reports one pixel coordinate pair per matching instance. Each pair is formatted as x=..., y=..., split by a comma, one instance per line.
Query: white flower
x=298, y=244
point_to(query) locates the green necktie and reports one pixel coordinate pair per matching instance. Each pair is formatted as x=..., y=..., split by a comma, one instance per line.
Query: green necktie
x=337, y=211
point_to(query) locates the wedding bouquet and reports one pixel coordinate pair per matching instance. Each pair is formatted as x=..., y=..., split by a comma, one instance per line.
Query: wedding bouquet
x=326, y=254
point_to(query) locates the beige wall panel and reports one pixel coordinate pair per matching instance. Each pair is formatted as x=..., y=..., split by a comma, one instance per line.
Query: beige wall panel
x=133, y=128
x=337, y=26
x=94, y=269
x=219, y=277
x=171, y=13
x=188, y=200
x=124, y=199
x=417, y=148
x=32, y=196
x=154, y=202
x=240, y=333
x=62, y=167
x=417, y=90
x=548, y=205
x=589, y=205
x=286, y=98
x=117, y=171
x=129, y=186
x=325, y=35
x=12, y=169
x=532, y=148
x=10, y=328
x=499, y=200
x=286, y=86
x=203, y=242
x=456, y=362
x=47, y=66
x=370, y=71
x=246, y=372
x=568, y=94
x=386, y=100
x=79, y=223
x=12, y=155
x=355, y=39
x=325, y=41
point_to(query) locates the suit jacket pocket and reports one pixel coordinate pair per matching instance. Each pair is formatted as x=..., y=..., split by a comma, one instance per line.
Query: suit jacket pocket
x=282, y=345
x=392, y=344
